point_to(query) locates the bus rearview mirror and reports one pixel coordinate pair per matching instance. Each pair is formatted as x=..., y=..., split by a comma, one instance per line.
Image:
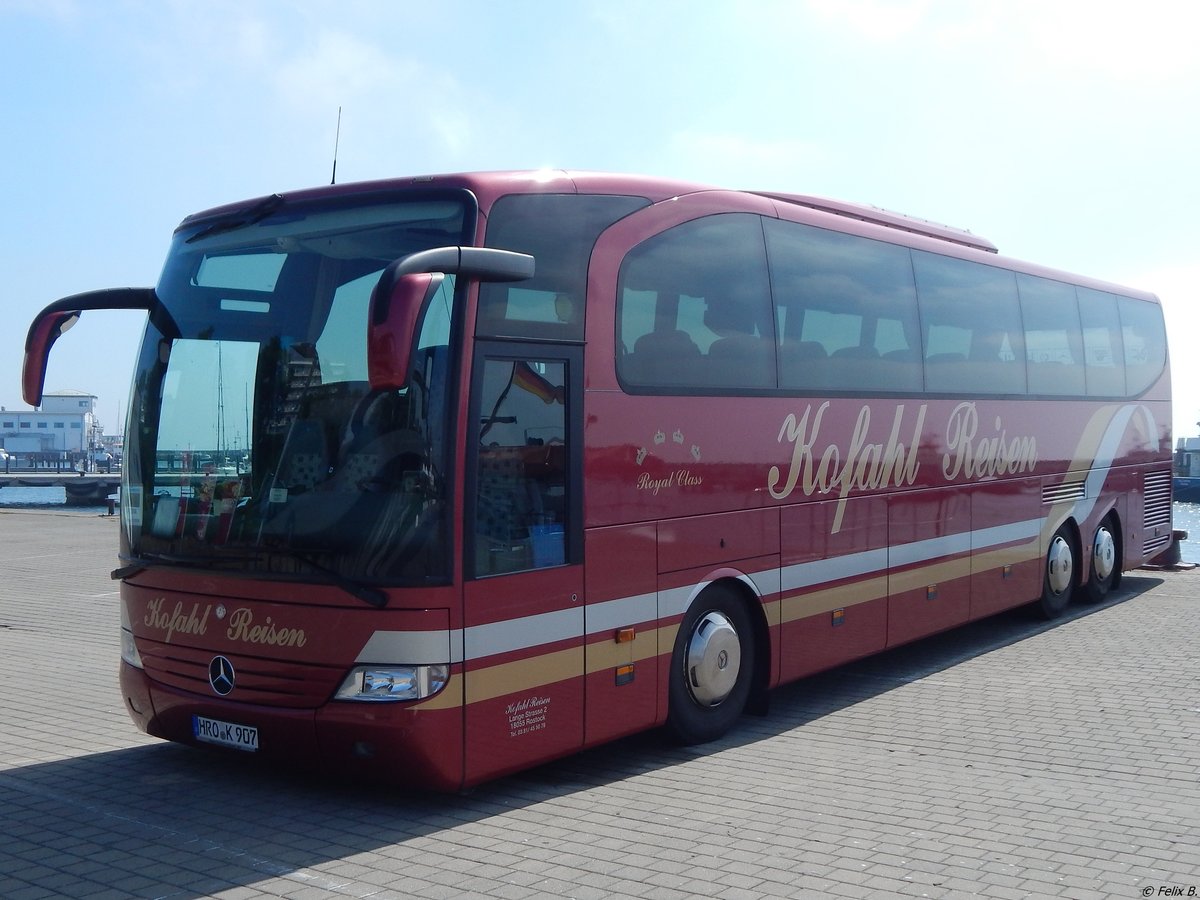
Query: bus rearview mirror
x=45, y=330
x=395, y=312
x=59, y=316
x=406, y=287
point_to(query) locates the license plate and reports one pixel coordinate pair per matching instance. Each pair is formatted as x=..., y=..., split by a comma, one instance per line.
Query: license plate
x=226, y=734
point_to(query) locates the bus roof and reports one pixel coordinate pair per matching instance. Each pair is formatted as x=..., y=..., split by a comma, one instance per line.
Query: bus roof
x=864, y=213
x=489, y=185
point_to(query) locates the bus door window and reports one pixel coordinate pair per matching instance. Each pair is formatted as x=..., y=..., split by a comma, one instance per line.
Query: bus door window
x=521, y=475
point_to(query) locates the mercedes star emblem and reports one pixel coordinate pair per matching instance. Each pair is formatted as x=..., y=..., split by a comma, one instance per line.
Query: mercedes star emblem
x=220, y=675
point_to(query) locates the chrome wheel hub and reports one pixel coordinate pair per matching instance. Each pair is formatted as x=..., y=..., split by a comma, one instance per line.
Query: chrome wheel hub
x=1104, y=554
x=1059, y=565
x=714, y=659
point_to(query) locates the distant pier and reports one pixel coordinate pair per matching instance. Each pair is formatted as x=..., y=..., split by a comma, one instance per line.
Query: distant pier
x=82, y=489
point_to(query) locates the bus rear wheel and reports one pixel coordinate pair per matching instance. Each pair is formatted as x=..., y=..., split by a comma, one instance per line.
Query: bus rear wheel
x=1058, y=582
x=711, y=668
x=1106, y=561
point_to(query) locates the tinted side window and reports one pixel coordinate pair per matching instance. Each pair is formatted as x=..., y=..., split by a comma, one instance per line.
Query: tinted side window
x=522, y=489
x=1053, y=341
x=1145, y=340
x=973, y=339
x=560, y=231
x=1104, y=353
x=846, y=311
x=694, y=309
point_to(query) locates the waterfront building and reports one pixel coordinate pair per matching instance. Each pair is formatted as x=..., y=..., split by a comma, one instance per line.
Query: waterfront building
x=65, y=423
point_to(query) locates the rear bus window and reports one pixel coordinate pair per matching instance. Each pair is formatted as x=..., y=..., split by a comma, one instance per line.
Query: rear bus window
x=1144, y=338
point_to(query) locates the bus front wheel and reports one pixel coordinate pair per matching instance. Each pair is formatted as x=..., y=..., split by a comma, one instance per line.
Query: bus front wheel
x=711, y=668
x=1058, y=583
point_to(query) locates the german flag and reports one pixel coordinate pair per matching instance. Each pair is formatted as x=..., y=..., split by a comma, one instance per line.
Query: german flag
x=528, y=380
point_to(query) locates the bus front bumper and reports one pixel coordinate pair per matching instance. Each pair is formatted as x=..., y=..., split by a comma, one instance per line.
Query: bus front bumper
x=394, y=743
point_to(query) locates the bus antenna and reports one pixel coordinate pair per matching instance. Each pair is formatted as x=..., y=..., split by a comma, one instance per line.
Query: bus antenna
x=337, y=137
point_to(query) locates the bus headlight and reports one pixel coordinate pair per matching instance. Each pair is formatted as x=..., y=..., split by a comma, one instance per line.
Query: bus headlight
x=393, y=682
x=129, y=650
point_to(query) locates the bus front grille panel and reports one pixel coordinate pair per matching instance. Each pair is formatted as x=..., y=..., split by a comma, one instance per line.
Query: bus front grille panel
x=281, y=683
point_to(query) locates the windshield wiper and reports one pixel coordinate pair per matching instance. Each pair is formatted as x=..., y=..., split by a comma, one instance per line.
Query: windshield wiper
x=365, y=593
x=148, y=560
x=369, y=595
x=249, y=216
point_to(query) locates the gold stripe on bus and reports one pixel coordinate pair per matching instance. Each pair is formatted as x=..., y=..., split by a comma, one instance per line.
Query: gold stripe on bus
x=449, y=697
x=521, y=675
x=507, y=678
x=608, y=654
x=813, y=603
x=773, y=611
x=1006, y=556
x=1092, y=436
x=916, y=579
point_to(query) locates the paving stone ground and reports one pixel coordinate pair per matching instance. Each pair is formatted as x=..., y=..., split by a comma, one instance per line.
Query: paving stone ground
x=1005, y=759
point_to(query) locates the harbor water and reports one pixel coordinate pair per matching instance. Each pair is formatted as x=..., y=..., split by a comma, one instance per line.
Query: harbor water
x=32, y=496
x=1186, y=515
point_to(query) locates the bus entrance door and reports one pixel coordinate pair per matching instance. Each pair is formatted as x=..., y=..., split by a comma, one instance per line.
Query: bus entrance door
x=523, y=607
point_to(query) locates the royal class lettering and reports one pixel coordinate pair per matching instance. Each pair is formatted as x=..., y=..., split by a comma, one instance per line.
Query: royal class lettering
x=974, y=456
x=178, y=620
x=242, y=627
x=678, y=478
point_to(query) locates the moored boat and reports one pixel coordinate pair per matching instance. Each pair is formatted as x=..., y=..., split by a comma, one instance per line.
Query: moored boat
x=1186, y=470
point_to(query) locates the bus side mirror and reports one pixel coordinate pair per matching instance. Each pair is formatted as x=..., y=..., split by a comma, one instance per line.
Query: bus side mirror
x=59, y=316
x=395, y=312
x=405, y=289
x=45, y=330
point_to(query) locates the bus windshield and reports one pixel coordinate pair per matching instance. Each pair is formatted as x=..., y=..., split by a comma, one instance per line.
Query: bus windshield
x=255, y=440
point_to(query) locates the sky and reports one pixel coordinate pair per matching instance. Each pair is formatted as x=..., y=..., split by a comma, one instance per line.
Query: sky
x=1065, y=132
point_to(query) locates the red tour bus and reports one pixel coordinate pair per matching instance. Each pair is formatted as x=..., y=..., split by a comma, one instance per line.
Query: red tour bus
x=438, y=478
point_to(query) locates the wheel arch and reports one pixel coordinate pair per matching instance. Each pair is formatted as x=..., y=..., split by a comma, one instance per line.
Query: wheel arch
x=742, y=587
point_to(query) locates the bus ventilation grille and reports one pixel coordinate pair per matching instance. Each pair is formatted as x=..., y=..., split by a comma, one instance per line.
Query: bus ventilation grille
x=1157, y=511
x=1067, y=492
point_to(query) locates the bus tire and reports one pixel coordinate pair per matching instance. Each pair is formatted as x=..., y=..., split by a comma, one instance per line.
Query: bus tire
x=712, y=666
x=1105, y=571
x=1058, y=580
